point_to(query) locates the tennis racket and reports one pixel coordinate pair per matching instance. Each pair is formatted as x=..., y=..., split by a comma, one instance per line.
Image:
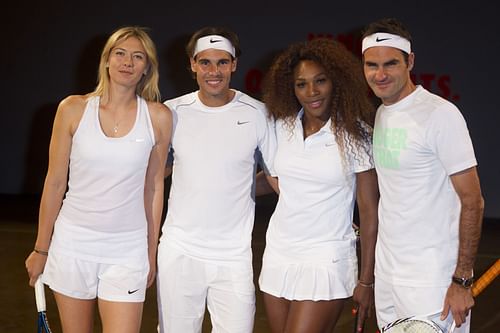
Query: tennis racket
x=43, y=322
x=486, y=278
x=423, y=324
x=414, y=324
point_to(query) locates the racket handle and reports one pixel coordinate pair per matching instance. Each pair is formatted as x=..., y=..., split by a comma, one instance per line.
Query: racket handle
x=40, y=294
x=485, y=279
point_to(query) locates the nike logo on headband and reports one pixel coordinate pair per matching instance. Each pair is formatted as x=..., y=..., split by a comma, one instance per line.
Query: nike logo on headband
x=214, y=40
x=381, y=39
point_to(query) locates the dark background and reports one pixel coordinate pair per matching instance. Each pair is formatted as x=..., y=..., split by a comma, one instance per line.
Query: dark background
x=51, y=49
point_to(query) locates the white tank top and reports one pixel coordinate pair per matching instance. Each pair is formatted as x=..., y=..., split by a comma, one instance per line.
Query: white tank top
x=103, y=217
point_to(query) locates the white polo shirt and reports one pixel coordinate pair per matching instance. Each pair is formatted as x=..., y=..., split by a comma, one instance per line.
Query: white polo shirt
x=211, y=205
x=313, y=217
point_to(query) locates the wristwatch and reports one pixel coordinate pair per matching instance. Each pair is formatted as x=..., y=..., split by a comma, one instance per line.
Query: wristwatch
x=464, y=282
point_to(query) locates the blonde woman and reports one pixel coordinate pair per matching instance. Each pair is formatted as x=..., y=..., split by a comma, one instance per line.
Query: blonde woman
x=103, y=195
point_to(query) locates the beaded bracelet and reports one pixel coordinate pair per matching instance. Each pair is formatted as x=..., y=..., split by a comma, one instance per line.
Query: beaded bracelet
x=366, y=285
x=44, y=253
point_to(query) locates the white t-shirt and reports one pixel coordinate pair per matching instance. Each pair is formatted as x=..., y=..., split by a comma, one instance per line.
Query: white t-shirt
x=418, y=143
x=314, y=214
x=103, y=218
x=211, y=206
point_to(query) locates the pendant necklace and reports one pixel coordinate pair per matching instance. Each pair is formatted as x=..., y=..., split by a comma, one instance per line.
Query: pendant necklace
x=117, y=123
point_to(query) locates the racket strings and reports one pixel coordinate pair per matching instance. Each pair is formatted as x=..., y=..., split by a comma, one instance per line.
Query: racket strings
x=416, y=326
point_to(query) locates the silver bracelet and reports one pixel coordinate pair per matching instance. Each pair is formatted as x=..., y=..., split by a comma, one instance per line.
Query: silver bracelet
x=366, y=285
x=43, y=253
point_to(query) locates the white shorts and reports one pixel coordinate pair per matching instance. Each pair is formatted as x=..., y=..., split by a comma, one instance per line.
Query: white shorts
x=186, y=284
x=82, y=279
x=292, y=279
x=394, y=302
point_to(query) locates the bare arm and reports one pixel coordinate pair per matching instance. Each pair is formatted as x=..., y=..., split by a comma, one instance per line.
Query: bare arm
x=168, y=170
x=65, y=123
x=367, y=195
x=155, y=175
x=265, y=184
x=458, y=299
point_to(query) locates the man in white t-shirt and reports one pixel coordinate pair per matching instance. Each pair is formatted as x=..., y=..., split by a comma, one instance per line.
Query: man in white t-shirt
x=204, y=256
x=431, y=207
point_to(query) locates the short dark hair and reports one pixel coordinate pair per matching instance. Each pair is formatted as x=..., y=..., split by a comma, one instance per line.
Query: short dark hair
x=206, y=31
x=388, y=25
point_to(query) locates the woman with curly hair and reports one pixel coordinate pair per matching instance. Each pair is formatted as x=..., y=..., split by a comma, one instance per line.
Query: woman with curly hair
x=317, y=94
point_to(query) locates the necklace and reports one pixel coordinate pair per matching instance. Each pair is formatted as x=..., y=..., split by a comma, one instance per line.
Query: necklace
x=116, y=115
x=311, y=128
x=117, y=123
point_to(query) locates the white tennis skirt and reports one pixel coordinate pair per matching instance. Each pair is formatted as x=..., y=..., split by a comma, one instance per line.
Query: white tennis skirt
x=299, y=280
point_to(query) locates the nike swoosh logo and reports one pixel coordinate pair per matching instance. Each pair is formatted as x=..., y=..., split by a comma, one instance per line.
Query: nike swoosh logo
x=242, y=122
x=329, y=144
x=378, y=39
x=215, y=40
x=132, y=291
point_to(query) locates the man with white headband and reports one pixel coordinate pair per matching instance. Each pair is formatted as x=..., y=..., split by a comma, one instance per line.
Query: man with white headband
x=431, y=207
x=205, y=256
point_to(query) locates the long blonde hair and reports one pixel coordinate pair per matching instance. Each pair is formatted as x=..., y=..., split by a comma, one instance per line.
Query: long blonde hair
x=147, y=87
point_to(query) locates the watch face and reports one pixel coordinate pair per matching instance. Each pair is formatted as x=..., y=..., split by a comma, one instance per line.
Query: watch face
x=466, y=283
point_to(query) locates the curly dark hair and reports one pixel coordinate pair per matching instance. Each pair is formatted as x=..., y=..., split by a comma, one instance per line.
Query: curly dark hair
x=352, y=113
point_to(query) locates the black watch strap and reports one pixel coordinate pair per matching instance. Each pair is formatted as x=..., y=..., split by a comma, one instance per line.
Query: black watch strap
x=464, y=282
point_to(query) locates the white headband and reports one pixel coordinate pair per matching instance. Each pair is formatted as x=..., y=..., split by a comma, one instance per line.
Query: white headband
x=214, y=42
x=385, y=39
